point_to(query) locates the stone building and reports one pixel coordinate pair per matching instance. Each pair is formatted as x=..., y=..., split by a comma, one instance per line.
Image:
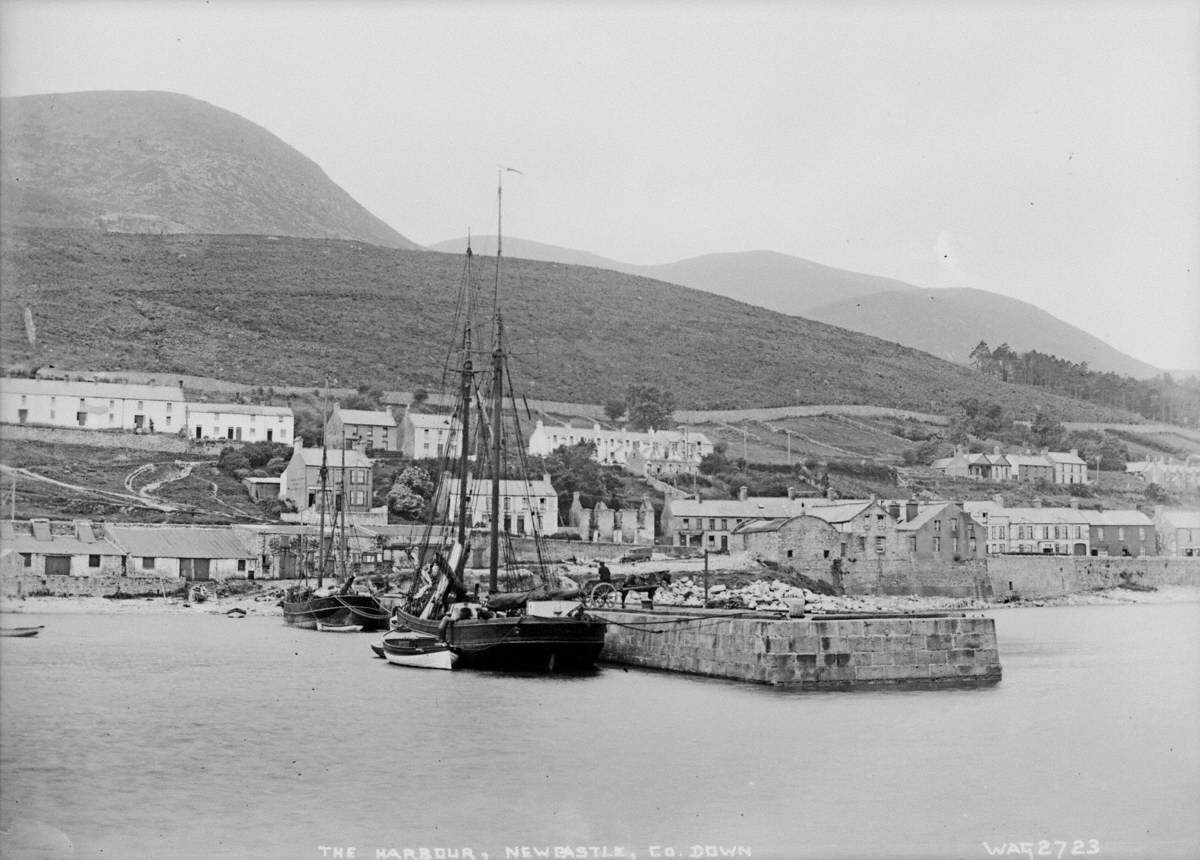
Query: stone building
x=47, y=548
x=92, y=405
x=525, y=505
x=653, y=453
x=241, y=422
x=352, y=428
x=348, y=472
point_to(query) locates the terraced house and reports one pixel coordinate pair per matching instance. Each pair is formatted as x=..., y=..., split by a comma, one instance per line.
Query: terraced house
x=376, y=429
x=241, y=422
x=92, y=405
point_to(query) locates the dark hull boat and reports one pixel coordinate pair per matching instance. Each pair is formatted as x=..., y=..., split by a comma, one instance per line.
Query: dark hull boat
x=337, y=610
x=522, y=643
x=23, y=632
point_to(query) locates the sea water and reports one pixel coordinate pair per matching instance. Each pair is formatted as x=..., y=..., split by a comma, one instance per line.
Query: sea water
x=141, y=735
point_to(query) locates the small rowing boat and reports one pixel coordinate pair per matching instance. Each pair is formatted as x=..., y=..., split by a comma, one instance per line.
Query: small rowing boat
x=418, y=650
x=21, y=631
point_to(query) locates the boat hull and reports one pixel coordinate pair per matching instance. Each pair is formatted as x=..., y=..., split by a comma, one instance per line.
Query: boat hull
x=22, y=632
x=523, y=643
x=431, y=657
x=336, y=611
x=339, y=628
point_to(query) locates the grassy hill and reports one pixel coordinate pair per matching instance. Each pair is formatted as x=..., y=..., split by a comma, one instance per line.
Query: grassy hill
x=154, y=162
x=950, y=322
x=946, y=322
x=293, y=311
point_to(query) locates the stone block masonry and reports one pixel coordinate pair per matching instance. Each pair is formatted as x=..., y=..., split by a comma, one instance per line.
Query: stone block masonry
x=816, y=653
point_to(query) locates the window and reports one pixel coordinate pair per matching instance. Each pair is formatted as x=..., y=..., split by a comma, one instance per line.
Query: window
x=1100, y=533
x=93, y=561
x=862, y=543
x=241, y=564
x=1121, y=533
x=880, y=544
x=358, y=476
x=169, y=411
x=970, y=530
x=148, y=562
x=937, y=526
x=1141, y=532
x=790, y=552
x=358, y=497
x=685, y=523
x=712, y=524
x=937, y=544
x=912, y=543
x=139, y=406
x=954, y=526
x=26, y=559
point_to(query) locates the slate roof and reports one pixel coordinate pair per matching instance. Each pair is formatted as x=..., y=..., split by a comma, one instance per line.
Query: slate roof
x=925, y=513
x=1117, y=518
x=335, y=457
x=240, y=409
x=112, y=390
x=1180, y=519
x=754, y=507
x=18, y=540
x=375, y=418
x=181, y=541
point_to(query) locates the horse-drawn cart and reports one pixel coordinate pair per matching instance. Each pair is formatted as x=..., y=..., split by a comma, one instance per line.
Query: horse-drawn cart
x=605, y=594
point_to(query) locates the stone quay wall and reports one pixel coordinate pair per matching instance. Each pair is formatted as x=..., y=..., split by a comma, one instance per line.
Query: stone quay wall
x=810, y=653
x=1034, y=576
x=968, y=579
x=17, y=585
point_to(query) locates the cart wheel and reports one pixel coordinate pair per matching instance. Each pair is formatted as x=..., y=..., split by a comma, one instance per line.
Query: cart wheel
x=603, y=594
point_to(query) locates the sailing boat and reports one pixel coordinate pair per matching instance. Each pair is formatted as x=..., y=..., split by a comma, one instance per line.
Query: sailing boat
x=529, y=629
x=342, y=611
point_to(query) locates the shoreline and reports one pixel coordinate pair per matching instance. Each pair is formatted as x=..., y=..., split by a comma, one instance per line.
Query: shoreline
x=265, y=603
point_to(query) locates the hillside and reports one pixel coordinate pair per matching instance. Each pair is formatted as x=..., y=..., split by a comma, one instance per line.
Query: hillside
x=950, y=322
x=945, y=322
x=155, y=162
x=294, y=311
x=771, y=280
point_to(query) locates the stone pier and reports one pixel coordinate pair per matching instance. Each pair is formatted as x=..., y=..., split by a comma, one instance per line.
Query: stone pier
x=814, y=652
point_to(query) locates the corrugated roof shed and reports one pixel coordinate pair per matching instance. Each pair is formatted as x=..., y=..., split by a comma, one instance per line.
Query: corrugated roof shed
x=181, y=541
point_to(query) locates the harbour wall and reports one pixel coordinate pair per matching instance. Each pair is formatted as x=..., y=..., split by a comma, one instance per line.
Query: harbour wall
x=1034, y=576
x=810, y=653
x=18, y=585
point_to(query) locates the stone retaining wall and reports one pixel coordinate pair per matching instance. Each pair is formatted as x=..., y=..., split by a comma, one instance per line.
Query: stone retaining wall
x=1034, y=576
x=810, y=653
x=165, y=442
x=15, y=585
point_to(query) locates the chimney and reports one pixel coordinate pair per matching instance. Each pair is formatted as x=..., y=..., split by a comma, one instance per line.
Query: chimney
x=894, y=510
x=743, y=493
x=910, y=510
x=998, y=499
x=1075, y=504
x=829, y=494
x=996, y=450
x=546, y=477
x=698, y=499
x=791, y=492
x=83, y=531
x=1037, y=503
x=1074, y=452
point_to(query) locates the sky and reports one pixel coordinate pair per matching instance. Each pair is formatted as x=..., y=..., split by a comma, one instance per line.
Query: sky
x=1047, y=151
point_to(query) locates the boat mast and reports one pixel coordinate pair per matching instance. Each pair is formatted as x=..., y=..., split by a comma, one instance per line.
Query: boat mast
x=497, y=397
x=324, y=477
x=343, y=550
x=465, y=423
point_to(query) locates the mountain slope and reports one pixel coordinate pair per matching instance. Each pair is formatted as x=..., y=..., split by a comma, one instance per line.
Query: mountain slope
x=156, y=162
x=771, y=280
x=299, y=311
x=949, y=323
x=945, y=322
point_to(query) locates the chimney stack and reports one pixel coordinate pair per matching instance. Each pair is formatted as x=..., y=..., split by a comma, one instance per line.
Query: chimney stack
x=829, y=493
x=910, y=510
x=791, y=492
x=743, y=493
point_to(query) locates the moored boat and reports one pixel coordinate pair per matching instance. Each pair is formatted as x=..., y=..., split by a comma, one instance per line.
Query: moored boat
x=501, y=631
x=418, y=651
x=335, y=610
x=23, y=632
x=339, y=628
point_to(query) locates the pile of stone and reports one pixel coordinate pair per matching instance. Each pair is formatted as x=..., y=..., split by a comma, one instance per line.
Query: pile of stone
x=760, y=594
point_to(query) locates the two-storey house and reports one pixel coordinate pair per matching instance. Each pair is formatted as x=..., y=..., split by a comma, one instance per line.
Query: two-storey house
x=348, y=479
x=376, y=429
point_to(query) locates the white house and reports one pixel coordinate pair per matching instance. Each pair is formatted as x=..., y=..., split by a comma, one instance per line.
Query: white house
x=241, y=422
x=523, y=504
x=426, y=436
x=654, y=452
x=92, y=405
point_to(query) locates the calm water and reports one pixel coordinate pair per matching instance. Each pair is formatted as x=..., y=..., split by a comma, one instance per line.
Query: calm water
x=201, y=736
